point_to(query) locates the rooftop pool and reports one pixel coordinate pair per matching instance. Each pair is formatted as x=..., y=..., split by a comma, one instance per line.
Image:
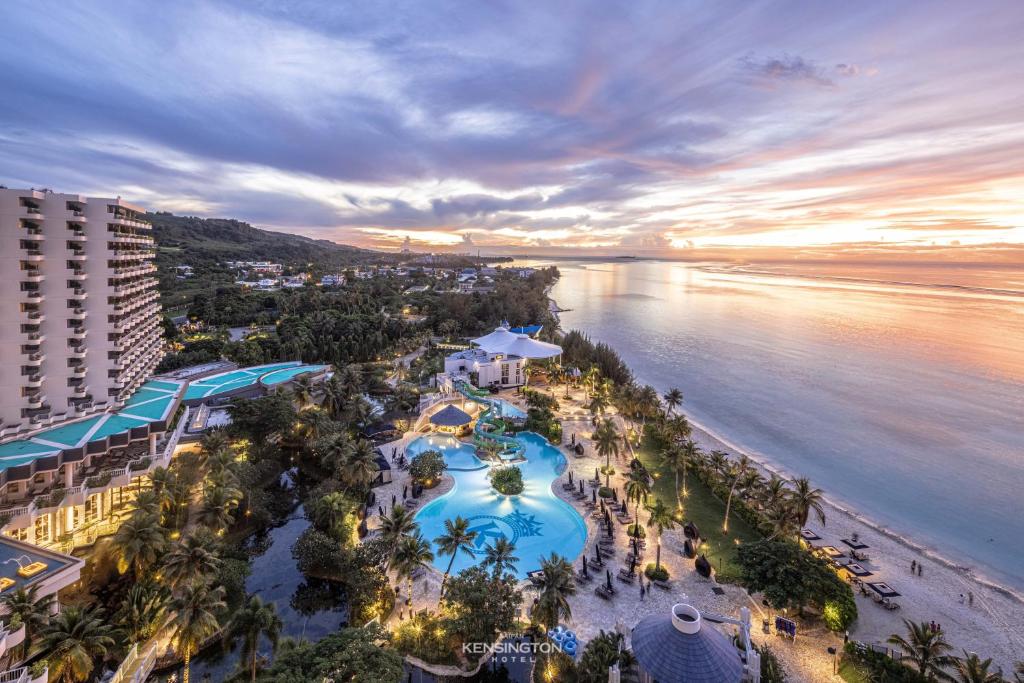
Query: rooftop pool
x=537, y=521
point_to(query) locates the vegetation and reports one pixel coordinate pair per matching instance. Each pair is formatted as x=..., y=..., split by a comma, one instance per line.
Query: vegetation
x=506, y=480
x=350, y=654
x=426, y=468
x=556, y=584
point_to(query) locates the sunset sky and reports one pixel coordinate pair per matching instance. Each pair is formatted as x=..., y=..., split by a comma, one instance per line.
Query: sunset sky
x=676, y=128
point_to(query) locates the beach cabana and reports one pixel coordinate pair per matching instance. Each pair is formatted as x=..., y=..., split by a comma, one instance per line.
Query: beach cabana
x=496, y=341
x=526, y=347
x=450, y=418
x=677, y=647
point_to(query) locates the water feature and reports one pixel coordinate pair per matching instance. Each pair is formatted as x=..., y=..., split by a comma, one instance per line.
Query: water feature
x=537, y=521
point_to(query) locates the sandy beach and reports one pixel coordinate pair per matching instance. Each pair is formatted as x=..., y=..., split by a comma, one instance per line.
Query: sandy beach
x=992, y=627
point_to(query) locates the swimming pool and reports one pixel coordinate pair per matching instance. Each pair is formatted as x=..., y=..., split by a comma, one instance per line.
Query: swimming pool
x=510, y=410
x=537, y=521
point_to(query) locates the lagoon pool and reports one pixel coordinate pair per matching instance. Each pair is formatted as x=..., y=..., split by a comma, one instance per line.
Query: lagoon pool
x=537, y=521
x=510, y=410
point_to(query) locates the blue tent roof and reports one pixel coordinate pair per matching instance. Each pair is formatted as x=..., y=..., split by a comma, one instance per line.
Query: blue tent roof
x=450, y=416
x=671, y=656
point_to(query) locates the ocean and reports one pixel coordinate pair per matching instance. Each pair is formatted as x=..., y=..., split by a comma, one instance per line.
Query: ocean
x=898, y=390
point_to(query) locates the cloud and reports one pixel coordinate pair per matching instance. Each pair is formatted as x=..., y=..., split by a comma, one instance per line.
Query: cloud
x=791, y=68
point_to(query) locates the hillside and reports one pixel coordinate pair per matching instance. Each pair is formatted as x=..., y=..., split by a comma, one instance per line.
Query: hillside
x=200, y=241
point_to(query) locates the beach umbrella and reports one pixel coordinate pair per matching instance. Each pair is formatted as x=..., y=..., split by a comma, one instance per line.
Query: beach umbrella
x=615, y=495
x=602, y=506
x=608, y=578
x=584, y=565
x=632, y=565
x=597, y=552
x=609, y=527
x=570, y=476
x=593, y=496
x=625, y=508
x=635, y=548
x=581, y=487
x=597, y=475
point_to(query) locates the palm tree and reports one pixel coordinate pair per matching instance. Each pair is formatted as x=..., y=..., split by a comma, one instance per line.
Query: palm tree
x=360, y=467
x=973, y=669
x=302, y=389
x=556, y=584
x=590, y=379
x=191, y=560
x=313, y=424
x=805, y=499
x=773, y=493
x=456, y=537
x=217, y=511
x=661, y=520
x=398, y=524
x=500, y=556
x=598, y=403
x=333, y=397
x=638, y=485
x=412, y=553
x=147, y=502
x=335, y=452
x=33, y=610
x=691, y=453
x=674, y=459
x=780, y=520
x=718, y=461
x=606, y=441
x=214, y=441
x=194, y=619
x=143, y=606
x=140, y=542
x=925, y=647
x=74, y=639
x=734, y=474
x=647, y=404
x=673, y=399
x=255, y=619
x=329, y=513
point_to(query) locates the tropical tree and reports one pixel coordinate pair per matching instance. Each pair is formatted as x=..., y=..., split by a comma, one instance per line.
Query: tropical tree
x=501, y=557
x=143, y=606
x=598, y=403
x=140, y=541
x=660, y=521
x=302, y=390
x=255, y=620
x=334, y=451
x=194, y=615
x=737, y=470
x=192, y=560
x=456, y=538
x=398, y=524
x=774, y=493
x=673, y=399
x=360, y=467
x=217, y=511
x=807, y=498
x=780, y=520
x=973, y=669
x=412, y=553
x=556, y=585
x=33, y=610
x=313, y=424
x=606, y=441
x=925, y=647
x=74, y=639
x=638, y=486
x=148, y=503
x=334, y=397
x=674, y=458
x=329, y=513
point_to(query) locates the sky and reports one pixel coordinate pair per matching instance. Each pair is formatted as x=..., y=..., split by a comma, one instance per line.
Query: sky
x=677, y=128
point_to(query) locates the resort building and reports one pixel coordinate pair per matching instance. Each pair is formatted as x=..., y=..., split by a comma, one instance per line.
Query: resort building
x=79, y=317
x=497, y=360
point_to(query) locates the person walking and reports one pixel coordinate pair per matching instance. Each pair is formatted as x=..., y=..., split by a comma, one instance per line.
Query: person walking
x=919, y=569
x=970, y=598
x=913, y=566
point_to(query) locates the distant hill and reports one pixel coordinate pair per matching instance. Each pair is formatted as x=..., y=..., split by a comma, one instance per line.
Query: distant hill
x=203, y=241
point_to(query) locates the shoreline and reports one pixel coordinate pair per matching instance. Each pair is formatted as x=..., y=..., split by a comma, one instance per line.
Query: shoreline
x=992, y=626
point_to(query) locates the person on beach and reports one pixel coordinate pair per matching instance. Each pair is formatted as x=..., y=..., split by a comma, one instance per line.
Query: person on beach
x=970, y=598
x=913, y=566
x=641, y=590
x=380, y=509
x=919, y=569
x=961, y=598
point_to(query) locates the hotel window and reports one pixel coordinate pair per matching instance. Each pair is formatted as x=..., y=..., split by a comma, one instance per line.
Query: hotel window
x=43, y=528
x=91, y=508
x=19, y=534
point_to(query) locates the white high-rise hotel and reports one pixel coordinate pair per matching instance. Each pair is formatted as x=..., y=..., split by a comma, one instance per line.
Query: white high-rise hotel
x=79, y=317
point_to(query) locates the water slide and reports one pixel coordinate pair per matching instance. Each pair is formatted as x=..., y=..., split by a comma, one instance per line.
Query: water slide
x=490, y=427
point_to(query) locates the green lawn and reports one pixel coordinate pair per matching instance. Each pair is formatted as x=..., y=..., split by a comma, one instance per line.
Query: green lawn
x=849, y=672
x=705, y=510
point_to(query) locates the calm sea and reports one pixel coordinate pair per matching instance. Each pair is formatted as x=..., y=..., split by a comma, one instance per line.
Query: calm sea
x=898, y=390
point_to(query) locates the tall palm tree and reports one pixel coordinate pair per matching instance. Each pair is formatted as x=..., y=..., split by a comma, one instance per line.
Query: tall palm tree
x=456, y=538
x=139, y=543
x=973, y=669
x=412, y=553
x=335, y=451
x=147, y=502
x=773, y=493
x=33, y=610
x=805, y=499
x=302, y=389
x=360, y=467
x=194, y=615
x=673, y=399
x=926, y=648
x=638, y=486
x=74, y=639
x=556, y=584
x=144, y=604
x=598, y=403
x=648, y=404
x=501, y=557
x=214, y=441
x=217, y=511
x=734, y=475
x=661, y=520
x=718, y=462
x=192, y=560
x=691, y=453
x=334, y=398
x=397, y=525
x=674, y=459
x=255, y=620
x=313, y=424
x=606, y=441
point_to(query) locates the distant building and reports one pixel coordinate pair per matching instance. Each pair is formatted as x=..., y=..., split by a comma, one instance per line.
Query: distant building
x=183, y=272
x=418, y=289
x=332, y=280
x=268, y=284
x=487, y=369
x=295, y=281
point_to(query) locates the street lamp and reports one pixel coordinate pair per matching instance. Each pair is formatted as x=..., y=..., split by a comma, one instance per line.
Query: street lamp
x=832, y=651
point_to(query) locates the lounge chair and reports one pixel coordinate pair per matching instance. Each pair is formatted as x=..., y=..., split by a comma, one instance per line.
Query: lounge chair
x=664, y=585
x=890, y=605
x=583, y=578
x=603, y=592
x=631, y=558
x=627, y=576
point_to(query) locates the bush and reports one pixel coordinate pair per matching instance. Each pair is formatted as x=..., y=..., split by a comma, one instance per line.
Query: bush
x=771, y=669
x=656, y=573
x=879, y=667
x=604, y=492
x=426, y=468
x=506, y=480
x=636, y=531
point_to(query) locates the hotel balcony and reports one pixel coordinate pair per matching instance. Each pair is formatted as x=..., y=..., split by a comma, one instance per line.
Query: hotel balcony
x=32, y=294
x=34, y=359
x=78, y=314
x=77, y=237
x=77, y=370
x=34, y=336
x=79, y=390
x=32, y=275
x=77, y=256
x=32, y=255
x=34, y=381
x=77, y=216
x=34, y=233
x=33, y=212
x=78, y=333
x=35, y=315
x=78, y=295
x=36, y=399
x=76, y=351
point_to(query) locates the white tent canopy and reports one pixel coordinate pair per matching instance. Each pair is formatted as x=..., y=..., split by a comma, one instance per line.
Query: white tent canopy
x=496, y=341
x=525, y=347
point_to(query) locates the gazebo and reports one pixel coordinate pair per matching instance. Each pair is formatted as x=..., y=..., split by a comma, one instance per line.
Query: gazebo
x=494, y=342
x=450, y=418
x=677, y=648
